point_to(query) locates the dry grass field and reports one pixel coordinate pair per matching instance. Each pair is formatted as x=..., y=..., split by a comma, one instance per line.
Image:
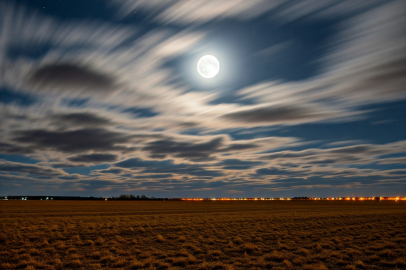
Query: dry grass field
x=202, y=235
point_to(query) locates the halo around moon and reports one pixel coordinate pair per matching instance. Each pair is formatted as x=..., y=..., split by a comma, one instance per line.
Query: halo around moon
x=208, y=66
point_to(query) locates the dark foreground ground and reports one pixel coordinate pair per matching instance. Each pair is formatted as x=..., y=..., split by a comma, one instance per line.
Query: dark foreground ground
x=202, y=235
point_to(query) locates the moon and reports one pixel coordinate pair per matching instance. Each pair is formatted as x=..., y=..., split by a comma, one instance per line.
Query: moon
x=208, y=66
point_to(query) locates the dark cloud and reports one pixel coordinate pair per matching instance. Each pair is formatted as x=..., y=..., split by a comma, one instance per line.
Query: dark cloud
x=198, y=151
x=193, y=151
x=82, y=140
x=275, y=114
x=276, y=171
x=14, y=167
x=80, y=119
x=154, y=176
x=94, y=158
x=291, y=154
x=323, y=162
x=70, y=177
x=238, y=146
x=74, y=76
x=357, y=149
x=15, y=149
x=135, y=163
x=193, y=170
x=236, y=164
x=167, y=166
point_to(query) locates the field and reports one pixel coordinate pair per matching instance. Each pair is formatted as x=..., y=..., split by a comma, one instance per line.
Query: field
x=202, y=235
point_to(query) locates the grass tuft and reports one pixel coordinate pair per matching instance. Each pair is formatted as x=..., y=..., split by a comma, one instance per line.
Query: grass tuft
x=179, y=261
x=274, y=256
x=160, y=238
x=288, y=264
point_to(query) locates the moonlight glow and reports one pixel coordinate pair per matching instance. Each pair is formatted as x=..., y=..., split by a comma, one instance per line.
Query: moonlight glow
x=208, y=66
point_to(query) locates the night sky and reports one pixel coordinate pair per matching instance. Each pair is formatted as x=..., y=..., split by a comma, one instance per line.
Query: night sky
x=103, y=98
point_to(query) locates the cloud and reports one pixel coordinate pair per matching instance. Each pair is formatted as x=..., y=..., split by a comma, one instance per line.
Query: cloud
x=344, y=157
x=154, y=176
x=94, y=158
x=185, y=12
x=198, y=11
x=74, y=141
x=85, y=119
x=279, y=172
x=39, y=53
x=206, y=148
x=236, y=164
x=15, y=167
x=399, y=160
x=71, y=76
x=167, y=166
x=366, y=65
x=15, y=149
x=282, y=114
x=199, y=151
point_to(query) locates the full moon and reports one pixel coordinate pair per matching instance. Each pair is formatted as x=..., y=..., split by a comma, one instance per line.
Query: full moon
x=208, y=66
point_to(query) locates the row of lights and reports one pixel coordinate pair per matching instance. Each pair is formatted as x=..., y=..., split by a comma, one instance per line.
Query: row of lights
x=235, y=199
x=288, y=199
